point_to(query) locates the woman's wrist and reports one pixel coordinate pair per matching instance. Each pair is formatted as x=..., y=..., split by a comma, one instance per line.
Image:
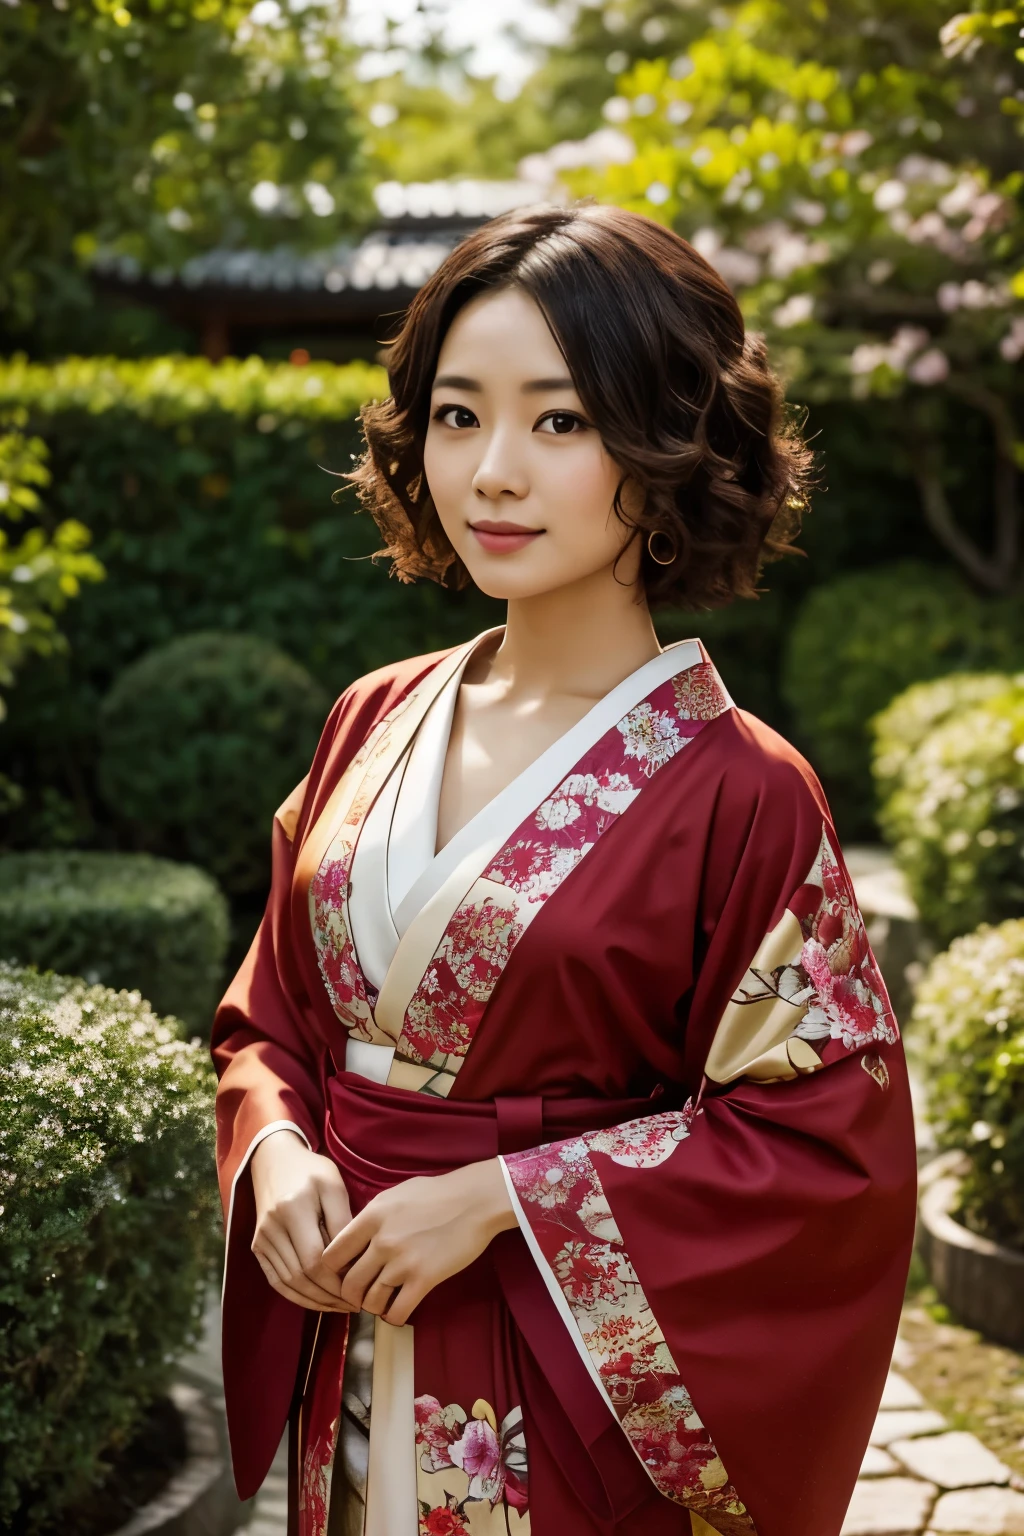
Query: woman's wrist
x=491, y=1198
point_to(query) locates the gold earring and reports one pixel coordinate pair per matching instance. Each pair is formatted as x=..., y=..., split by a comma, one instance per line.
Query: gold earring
x=650, y=538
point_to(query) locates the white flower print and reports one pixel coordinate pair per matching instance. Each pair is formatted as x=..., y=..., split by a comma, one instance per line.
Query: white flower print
x=651, y=736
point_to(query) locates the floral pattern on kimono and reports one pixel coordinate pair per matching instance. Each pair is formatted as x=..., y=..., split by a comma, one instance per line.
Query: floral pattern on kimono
x=484, y=1462
x=351, y=996
x=833, y=984
x=561, y=1193
x=442, y=1017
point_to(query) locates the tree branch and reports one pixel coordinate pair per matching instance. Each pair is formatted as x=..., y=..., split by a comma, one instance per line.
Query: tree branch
x=1006, y=502
x=939, y=516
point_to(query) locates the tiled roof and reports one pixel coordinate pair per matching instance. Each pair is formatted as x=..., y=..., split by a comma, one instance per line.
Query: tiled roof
x=423, y=222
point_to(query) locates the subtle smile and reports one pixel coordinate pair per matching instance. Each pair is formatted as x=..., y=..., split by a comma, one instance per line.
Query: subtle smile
x=503, y=538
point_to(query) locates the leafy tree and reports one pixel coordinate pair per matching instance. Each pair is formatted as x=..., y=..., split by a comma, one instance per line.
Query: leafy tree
x=39, y=571
x=853, y=167
x=155, y=128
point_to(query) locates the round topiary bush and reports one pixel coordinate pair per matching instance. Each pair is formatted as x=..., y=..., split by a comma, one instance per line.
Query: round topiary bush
x=200, y=742
x=123, y=919
x=900, y=728
x=107, y=1229
x=956, y=816
x=969, y=1022
x=860, y=640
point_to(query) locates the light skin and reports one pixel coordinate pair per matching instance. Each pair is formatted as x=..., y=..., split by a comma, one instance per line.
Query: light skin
x=508, y=443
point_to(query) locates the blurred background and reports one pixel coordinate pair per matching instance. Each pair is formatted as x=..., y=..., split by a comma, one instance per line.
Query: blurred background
x=212, y=217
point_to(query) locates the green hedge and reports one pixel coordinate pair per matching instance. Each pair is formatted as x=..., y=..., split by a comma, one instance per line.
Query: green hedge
x=956, y=814
x=863, y=638
x=901, y=727
x=126, y=920
x=200, y=741
x=107, y=1229
x=207, y=492
x=968, y=1020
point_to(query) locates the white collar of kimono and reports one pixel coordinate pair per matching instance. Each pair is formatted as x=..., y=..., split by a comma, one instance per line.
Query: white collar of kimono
x=403, y=894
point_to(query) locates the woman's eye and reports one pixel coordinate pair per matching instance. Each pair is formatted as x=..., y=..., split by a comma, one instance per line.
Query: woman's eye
x=561, y=423
x=458, y=416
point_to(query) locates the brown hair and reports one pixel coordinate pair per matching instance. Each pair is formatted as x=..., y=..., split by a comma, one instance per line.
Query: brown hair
x=683, y=398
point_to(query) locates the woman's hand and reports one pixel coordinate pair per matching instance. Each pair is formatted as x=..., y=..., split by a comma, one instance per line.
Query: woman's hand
x=301, y=1204
x=410, y=1238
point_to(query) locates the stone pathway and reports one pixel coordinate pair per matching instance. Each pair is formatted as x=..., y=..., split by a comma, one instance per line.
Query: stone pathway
x=921, y=1478
x=918, y=1477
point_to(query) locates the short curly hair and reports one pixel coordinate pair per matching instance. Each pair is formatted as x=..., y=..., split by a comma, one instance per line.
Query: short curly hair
x=683, y=398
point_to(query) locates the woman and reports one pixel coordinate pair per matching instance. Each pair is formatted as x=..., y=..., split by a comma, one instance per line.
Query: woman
x=563, y=1122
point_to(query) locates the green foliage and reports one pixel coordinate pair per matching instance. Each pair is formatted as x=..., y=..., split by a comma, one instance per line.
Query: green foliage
x=39, y=572
x=861, y=639
x=902, y=726
x=107, y=1230
x=158, y=128
x=853, y=170
x=969, y=1020
x=208, y=491
x=956, y=815
x=201, y=740
x=123, y=919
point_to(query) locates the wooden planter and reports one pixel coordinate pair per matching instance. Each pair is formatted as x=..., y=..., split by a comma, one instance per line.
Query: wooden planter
x=200, y=1499
x=981, y=1282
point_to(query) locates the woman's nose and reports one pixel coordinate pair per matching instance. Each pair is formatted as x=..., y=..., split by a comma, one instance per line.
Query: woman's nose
x=501, y=471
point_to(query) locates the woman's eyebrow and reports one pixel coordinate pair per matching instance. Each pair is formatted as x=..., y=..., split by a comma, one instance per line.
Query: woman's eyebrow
x=539, y=386
x=531, y=387
x=457, y=381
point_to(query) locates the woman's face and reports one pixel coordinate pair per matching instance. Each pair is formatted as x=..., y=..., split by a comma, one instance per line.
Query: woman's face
x=520, y=479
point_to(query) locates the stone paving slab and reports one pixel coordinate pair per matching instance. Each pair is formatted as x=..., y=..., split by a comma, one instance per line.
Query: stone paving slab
x=878, y=1463
x=906, y=1424
x=953, y=1460
x=889, y=1506
x=979, y=1512
x=898, y=1393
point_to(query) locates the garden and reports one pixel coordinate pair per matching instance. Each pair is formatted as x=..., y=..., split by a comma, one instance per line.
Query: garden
x=185, y=586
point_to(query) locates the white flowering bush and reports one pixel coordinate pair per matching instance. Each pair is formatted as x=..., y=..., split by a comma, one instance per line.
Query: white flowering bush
x=900, y=728
x=107, y=1228
x=969, y=1021
x=955, y=817
x=858, y=184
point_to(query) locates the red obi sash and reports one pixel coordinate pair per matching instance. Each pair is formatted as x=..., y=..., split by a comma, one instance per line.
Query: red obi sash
x=379, y=1137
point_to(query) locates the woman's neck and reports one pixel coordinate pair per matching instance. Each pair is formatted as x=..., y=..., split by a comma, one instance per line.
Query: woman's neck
x=579, y=641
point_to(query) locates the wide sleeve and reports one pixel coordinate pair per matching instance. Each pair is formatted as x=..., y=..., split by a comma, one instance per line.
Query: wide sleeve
x=267, y=1049
x=732, y=1267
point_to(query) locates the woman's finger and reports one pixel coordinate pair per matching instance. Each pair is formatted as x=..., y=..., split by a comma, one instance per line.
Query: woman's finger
x=280, y=1253
x=360, y=1277
x=285, y=1290
x=336, y=1213
x=379, y=1296
x=404, y=1303
x=351, y=1241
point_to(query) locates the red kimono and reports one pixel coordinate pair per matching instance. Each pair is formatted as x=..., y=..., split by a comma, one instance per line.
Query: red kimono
x=640, y=977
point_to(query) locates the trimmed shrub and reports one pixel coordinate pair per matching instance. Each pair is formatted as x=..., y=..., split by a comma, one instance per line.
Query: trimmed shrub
x=956, y=815
x=107, y=1228
x=123, y=919
x=901, y=727
x=969, y=1024
x=201, y=740
x=860, y=640
x=207, y=490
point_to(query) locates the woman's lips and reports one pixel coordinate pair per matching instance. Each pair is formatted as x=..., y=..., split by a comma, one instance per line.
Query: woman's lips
x=503, y=538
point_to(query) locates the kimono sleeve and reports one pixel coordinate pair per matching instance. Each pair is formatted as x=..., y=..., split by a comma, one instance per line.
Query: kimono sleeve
x=732, y=1270
x=267, y=1052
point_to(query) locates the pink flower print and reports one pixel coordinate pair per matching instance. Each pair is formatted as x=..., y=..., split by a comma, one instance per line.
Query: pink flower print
x=478, y=1453
x=437, y=1429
